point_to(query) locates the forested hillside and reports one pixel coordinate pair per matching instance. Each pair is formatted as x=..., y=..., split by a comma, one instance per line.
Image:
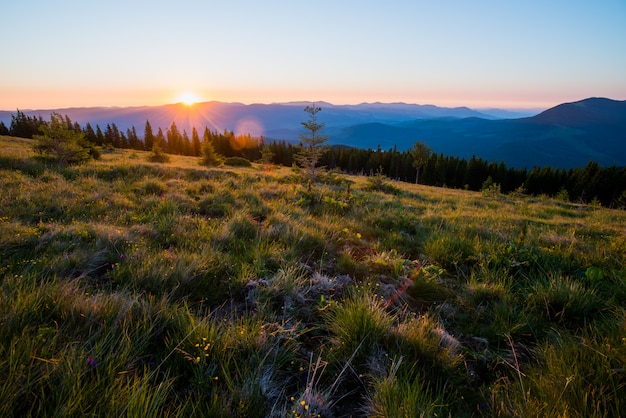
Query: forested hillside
x=591, y=183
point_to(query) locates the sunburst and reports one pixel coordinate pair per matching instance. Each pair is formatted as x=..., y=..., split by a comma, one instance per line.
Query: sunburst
x=188, y=98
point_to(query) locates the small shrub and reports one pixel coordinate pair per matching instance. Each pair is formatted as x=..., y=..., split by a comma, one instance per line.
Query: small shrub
x=490, y=188
x=519, y=192
x=237, y=162
x=332, y=177
x=334, y=205
x=95, y=152
x=380, y=182
x=562, y=195
x=157, y=155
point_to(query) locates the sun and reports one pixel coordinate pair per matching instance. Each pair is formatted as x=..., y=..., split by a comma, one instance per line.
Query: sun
x=188, y=98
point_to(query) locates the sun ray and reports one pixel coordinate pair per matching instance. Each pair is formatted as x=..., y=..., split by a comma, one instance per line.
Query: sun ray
x=188, y=98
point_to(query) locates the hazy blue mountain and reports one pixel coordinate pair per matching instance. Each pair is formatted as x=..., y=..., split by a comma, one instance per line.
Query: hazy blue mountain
x=567, y=135
x=510, y=113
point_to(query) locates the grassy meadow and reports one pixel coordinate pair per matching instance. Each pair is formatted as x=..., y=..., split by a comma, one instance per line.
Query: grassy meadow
x=131, y=288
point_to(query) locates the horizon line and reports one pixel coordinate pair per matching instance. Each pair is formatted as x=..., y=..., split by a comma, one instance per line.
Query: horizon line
x=288, y=103
x=297, y=102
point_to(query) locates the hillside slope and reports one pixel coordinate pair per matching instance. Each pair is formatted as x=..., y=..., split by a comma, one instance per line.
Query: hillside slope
x=131, y=288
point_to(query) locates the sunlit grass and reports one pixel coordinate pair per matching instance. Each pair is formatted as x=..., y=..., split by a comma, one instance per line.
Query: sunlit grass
x=132, y=288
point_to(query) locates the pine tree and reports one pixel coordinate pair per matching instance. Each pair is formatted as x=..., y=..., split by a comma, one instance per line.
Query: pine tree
x=118, y=142
x=209, y=156
x=108, y=135
x=123, y=141
x=267, y=156
x=476, y=173
x=158, y=153
x=3, y=129
x=133, y=139
x=185, y=146
x=99, y=136
x=148, y=136
x=312, y=142
x=196, y=145
x=90, y=134
x=174, y=140
x=159, y=140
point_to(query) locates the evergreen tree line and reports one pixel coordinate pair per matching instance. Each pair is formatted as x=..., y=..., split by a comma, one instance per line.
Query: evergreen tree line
x=172, y=141
x=604, y=185
x=592, y=183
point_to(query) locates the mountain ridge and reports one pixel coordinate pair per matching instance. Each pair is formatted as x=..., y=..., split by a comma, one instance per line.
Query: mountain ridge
x=564, y=136
x=396, y=111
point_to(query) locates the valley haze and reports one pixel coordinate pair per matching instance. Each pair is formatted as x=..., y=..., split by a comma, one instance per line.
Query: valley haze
x=565, y=136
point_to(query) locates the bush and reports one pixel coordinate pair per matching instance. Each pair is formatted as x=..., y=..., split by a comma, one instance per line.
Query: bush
x=209, y=157
x=380, y=182
x=237, y=162
x=63, y=144
x=562, y=195
x=490, y=188
x=158, y=156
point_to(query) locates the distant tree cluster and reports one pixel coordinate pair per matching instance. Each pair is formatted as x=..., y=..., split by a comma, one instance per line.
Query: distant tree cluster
x=606, y=185
x=64, y=143
x=22, y=126
x=592, y=183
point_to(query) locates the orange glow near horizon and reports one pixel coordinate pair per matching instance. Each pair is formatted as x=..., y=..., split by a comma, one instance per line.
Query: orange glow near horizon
x=188, y=116
x=189, y=98
x=34, y=99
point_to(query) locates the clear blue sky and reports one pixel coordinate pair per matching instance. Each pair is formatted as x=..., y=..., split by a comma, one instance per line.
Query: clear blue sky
x=500, y=53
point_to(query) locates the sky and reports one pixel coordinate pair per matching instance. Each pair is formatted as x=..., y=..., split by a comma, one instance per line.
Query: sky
x=481, y=53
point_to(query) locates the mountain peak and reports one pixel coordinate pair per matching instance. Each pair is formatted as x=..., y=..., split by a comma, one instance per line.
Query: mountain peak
x=592, y=110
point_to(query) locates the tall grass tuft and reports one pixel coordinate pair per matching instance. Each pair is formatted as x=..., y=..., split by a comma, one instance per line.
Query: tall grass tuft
x=395, y=396
x=359, y=322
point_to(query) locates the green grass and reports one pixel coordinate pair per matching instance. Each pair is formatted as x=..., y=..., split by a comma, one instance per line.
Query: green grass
x=131, y=288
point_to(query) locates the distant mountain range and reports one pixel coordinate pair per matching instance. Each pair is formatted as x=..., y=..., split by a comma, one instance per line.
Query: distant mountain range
x=271, y=120
x=568, y=135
